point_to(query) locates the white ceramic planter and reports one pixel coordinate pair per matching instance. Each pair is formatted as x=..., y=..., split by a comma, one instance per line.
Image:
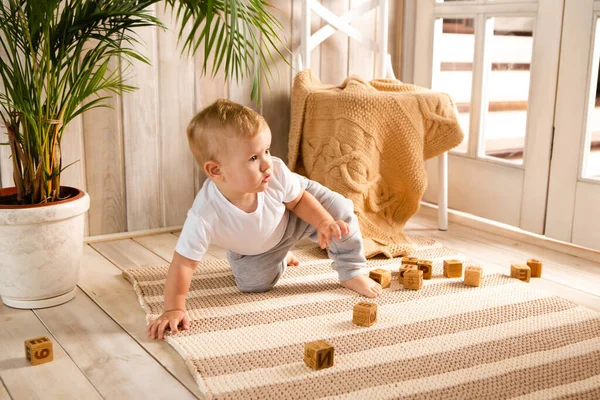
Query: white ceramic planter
x=40, y=253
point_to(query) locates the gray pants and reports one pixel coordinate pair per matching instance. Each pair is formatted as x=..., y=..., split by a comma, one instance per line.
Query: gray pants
x=258, y=273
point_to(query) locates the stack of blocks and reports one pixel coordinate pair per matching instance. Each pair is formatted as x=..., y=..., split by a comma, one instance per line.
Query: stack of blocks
x=39, y=350
x=381, y=276
x=413, y=279
x=408, y=264
x=453, y=268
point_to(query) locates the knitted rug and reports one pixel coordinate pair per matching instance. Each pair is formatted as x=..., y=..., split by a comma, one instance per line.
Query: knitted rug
x=447, y=340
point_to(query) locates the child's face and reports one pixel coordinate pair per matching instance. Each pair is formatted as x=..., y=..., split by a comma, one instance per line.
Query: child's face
x=247, y=168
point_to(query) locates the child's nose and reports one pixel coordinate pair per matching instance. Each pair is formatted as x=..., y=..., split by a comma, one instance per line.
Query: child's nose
x=265, y=165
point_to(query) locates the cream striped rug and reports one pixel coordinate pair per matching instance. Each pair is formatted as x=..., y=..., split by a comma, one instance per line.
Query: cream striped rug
x=501, y=340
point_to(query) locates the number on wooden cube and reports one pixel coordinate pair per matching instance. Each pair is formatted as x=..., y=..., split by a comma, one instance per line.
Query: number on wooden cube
x=521, y=272
x=381, y=276
x=473, y=276
x=364, y=313
x=39, y=350
x=453, y=268
x=413, y=279
x=536, y=267
x=403, y=269
x=426, y=266
x=410, y=260
x=318, y=355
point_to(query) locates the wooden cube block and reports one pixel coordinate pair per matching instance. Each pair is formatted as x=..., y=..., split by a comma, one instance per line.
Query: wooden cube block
x=413, y=279
x=318, y=355
x=39, y=350
x=410, y=260
x=521, y=272
x=473, y=276
x=364, y=313
x=453, y=268
x=536, y=267
x=403, y=269
x=427, y=267
x=381, y=276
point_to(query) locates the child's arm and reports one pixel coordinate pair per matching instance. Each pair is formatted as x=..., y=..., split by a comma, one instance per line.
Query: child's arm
x=310, y=210
x=176, y=289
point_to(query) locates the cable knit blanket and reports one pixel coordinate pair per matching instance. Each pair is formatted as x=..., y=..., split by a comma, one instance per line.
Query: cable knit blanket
x=369, y=141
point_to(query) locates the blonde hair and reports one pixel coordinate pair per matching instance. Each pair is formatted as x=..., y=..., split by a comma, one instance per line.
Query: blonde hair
x=210, y=129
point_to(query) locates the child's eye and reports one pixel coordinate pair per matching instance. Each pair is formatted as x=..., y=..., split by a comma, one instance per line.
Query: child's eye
x=267, y=151
x=253, y=158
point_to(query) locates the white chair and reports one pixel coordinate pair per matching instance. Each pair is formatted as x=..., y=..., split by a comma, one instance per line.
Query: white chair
x=384, y=64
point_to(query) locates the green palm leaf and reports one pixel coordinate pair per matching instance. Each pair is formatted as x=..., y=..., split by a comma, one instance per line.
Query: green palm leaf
x=56, y=56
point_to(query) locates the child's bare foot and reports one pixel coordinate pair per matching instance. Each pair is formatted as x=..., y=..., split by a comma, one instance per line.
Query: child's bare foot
x=291, y=259
x=364, y=285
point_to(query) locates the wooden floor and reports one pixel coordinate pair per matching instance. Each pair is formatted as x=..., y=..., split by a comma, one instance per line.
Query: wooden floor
x=101, y=349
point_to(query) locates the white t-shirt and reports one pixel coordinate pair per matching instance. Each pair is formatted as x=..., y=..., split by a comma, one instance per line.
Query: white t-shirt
x=214, y=220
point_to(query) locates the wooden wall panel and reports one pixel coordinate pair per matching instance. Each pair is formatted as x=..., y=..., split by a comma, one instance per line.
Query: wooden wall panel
x=276, y=102
x=136, y=164
x=141, y=127
x=73, y=153
x=105, y=166
x=207, y=90
x=176, y=108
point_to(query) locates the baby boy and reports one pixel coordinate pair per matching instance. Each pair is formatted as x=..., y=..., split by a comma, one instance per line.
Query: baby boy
x=255, y=207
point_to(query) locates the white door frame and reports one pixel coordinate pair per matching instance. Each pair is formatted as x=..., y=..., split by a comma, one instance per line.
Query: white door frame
x=526, y=184
x=573, y=199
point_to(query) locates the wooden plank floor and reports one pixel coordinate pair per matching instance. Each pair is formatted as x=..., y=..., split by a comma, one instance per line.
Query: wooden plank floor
x=100, y=343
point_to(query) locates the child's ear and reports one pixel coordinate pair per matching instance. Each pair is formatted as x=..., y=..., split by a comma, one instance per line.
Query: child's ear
x=213, y=170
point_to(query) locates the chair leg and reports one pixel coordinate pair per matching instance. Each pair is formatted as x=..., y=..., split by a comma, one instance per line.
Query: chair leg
x=443, y=192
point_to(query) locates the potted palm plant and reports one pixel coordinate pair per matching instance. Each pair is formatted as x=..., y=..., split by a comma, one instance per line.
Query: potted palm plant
x=54, y=65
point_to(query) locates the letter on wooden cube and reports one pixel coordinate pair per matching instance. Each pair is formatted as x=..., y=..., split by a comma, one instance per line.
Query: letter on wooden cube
x=536, y=267
x=364, y=313
x=521, y=272
x=403, y=269
x=426, y=266
x=318, y=355
x=413, y=279
x=410, y=260
x=452, y=268
x=473, y=276
x=39, y=350
x=381, y=276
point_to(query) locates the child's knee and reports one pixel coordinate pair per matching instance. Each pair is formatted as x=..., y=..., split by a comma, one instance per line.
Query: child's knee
x=254, y=288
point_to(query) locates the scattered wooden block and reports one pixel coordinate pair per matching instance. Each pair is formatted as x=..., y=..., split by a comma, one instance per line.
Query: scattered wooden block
x=403, y=269
x=413, y=279
x=521, y=272
x=381, y=276
x=453, y=268
x=473, y=276
x=536, y=267
x=364, y=313
x=318, y=355
x=39, y=350
x=410, y=260
x=426, y=266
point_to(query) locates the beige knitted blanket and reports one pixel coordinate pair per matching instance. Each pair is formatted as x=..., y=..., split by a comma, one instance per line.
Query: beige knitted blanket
x=369, y=141
x=446, y=341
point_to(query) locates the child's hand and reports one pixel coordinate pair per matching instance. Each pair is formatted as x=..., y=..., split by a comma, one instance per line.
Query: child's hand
x=168, y=319
x=329, y=229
